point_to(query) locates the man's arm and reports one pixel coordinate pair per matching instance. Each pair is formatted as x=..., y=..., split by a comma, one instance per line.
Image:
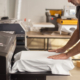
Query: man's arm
x=71, y=42
x=70, y=53
x=74, y=50
x=74, y=38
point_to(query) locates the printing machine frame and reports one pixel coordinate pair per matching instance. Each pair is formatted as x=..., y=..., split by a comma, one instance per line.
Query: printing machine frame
x=7, y=47
x=28, y=75
x=7, y=51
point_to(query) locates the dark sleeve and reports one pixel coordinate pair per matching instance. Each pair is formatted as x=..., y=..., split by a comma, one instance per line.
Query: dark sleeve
x=77, y=11
x=78, y=16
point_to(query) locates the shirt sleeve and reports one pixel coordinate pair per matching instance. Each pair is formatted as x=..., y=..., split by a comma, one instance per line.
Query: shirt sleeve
x=77, y=11
x=78, y=16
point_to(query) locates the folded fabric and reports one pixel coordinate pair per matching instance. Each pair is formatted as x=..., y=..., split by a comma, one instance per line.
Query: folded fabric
x=37, y=61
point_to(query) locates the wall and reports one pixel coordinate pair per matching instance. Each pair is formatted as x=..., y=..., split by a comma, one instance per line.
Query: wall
x=11, y=8
x=3, y=8
x=35, y=9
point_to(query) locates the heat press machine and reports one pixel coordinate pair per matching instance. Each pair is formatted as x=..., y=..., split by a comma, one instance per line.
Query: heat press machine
x=68, y=22
x=43, y=27
x=64, y=19
x=51, y=22
x=68, y=26
x=52, y=15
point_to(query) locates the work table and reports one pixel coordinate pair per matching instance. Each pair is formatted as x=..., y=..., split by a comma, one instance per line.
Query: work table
x=40, y=35
x=75, y=75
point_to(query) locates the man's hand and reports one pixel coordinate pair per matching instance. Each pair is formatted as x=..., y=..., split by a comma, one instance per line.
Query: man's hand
x=60, y=56
x=60, y=50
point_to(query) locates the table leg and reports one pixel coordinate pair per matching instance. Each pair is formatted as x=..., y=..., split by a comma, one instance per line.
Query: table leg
x=44, y=43
x=47, y=43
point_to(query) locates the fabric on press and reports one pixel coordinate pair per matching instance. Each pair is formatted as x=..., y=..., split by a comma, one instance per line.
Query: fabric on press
x=37, y=61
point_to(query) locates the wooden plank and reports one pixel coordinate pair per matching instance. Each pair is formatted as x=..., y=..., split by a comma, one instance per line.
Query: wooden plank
x=40, y=35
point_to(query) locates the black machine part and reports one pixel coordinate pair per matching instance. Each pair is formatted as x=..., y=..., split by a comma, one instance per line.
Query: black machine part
x=18, y=30
x=53, y=20
x=4, y=18
x=7, y=41
x=12, y=27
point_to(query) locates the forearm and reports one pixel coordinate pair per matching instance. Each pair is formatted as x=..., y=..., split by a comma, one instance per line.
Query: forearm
x=74, y=38
x=74, y=51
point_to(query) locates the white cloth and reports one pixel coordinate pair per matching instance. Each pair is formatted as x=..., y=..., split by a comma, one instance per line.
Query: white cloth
x=43, y=25
x=37, y=61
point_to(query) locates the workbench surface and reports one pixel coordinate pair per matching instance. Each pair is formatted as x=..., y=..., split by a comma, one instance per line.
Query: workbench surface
x=75, y=75
x=40, y=35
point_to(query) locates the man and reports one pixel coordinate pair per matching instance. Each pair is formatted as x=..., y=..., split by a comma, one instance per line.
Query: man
x=75, y=37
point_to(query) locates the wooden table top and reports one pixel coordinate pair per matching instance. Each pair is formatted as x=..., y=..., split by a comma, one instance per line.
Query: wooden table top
x=40, y=35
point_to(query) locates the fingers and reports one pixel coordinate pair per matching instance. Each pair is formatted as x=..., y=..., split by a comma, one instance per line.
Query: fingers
x=56, y=50
x=52, y=50
x=61, y=56
x=53, y=57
